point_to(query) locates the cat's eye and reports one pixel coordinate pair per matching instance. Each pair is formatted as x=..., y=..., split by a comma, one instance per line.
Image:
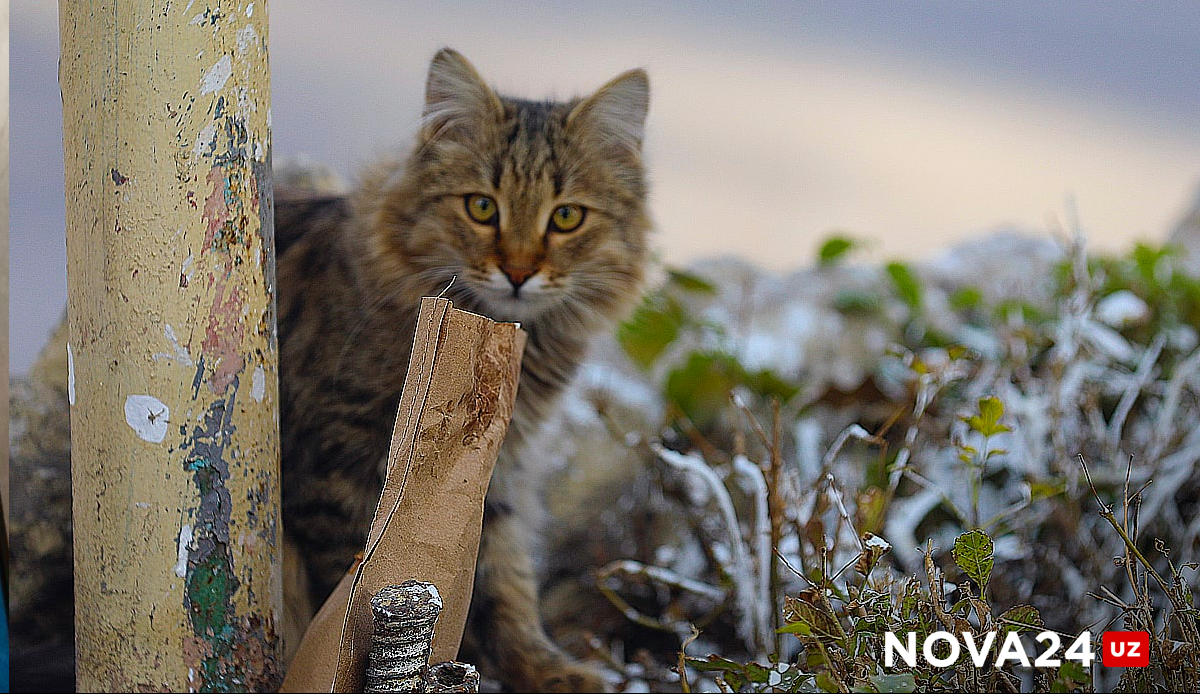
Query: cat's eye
x=567, y=217
x=481, y=208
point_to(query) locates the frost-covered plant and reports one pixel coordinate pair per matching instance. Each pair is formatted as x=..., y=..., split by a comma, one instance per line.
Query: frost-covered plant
x=969, y=400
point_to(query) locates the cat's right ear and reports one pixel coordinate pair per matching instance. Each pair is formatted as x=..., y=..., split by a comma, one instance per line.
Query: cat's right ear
x=616, y=113
x=456, y=97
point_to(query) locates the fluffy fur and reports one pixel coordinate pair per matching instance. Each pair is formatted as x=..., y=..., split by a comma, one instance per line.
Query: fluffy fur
x=352, y=271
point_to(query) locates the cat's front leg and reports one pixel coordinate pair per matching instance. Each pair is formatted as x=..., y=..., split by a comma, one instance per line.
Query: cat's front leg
x=505, y=627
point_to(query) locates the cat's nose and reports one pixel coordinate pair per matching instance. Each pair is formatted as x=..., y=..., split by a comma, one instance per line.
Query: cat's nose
x=517, y=274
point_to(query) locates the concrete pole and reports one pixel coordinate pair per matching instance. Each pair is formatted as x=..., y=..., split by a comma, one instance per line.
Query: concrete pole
x=172, y=350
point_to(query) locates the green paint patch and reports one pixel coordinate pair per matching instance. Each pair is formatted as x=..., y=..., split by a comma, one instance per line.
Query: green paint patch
x=210, y=580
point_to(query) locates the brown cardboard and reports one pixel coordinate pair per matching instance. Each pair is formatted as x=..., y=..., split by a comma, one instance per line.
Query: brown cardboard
x=454, y=411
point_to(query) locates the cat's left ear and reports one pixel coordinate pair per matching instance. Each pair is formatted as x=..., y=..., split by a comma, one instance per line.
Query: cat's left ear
x=617, y=111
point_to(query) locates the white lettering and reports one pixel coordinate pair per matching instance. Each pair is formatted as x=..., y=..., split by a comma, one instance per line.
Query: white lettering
x=1081, y=650
x=1012, y=649
x=892, y=645
x=979, y=657
x=982, y=648
x=928, y=649
x=1047, y=659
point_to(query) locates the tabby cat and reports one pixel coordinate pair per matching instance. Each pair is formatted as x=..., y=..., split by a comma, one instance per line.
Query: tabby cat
x=527, y=211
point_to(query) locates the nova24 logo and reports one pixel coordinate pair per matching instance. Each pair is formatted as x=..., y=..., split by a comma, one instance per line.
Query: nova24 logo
x=1119, y=649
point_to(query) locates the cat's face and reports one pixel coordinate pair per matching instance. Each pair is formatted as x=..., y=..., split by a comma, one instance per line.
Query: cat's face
x=536, y=208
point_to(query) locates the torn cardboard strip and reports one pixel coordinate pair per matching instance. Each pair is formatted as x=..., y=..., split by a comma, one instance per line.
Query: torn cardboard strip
x=454, y=411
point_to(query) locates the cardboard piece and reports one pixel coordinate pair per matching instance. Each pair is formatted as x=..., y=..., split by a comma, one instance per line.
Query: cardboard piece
x=454, y=411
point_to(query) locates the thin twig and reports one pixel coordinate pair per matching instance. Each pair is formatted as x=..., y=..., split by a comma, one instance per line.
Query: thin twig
x=1107, y=514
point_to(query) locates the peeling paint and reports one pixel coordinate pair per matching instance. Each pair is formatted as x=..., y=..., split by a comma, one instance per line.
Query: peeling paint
x=228, y=648
x=223, y=336
x=70, y=375
x=246, y=38
x=206, y=138
x=181, y=355
x=217, y=75
x=266, y=225
x=208, y=572
x=186, y=270
x=185, y=539
x=258, y=384
x=216, y=212
x=147, y=416
x=180, y=352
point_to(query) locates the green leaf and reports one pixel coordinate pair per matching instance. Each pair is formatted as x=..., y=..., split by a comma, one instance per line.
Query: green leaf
x=1073, y=671
x=701, y=386
x=1046, y=489
x=690, y=282
x=973, y=552
x=957, y=352
x=798, y=627
x=1021, y=618
x=1006, y=309
x=734, y=673
x=756, y=673
x=966, y=298
x=651, y=329
x=1146, y=258
x=856, y=303
x=715, y=663
x=833, y=249
x=987, y=422
x=906, y=284
x=990, y=408
x=769, y=384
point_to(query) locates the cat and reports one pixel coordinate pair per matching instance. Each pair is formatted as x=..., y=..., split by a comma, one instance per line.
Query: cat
x=525, y=211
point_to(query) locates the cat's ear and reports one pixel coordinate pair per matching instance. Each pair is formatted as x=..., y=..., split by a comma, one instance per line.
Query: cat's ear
x=617, y=111
x=456, y=96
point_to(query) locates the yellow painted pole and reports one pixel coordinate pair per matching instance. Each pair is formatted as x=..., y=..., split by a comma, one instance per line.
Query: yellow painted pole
x=172, y=350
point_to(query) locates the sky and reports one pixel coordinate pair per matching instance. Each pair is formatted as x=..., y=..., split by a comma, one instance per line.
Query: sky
x=910, y=125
